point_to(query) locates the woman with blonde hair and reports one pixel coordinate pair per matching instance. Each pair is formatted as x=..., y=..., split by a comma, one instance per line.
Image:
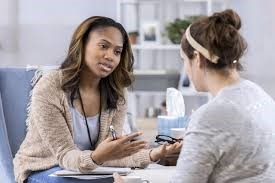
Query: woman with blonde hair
x=73, y=108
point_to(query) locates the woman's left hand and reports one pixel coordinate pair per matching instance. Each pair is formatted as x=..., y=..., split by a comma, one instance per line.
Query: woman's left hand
x=164, y=150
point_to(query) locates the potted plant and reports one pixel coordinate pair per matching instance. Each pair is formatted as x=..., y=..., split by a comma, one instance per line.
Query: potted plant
x=175, y=29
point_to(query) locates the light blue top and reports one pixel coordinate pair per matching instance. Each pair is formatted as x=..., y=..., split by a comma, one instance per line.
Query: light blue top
x=230, y=139
x=80, y=133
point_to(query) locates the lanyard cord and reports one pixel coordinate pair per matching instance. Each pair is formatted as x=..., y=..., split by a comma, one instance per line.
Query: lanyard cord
x=85, y=117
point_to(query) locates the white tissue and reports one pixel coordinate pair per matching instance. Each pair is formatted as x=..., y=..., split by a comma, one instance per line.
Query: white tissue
x=174, y=102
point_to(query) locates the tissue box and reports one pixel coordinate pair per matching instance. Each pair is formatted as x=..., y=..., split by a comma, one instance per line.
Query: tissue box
x=165, y=123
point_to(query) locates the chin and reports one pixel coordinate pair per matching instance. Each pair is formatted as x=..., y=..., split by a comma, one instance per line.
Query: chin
x=104, y=75
x=199, y=89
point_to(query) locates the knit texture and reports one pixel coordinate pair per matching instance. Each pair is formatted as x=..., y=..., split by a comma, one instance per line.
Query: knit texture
x=49, y=139
x=231, y=139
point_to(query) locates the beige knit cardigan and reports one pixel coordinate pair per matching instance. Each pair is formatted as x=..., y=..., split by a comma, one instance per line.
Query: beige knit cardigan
x=49, y=140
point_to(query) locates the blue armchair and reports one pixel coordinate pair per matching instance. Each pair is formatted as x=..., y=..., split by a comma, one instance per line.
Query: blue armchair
x=15, y=86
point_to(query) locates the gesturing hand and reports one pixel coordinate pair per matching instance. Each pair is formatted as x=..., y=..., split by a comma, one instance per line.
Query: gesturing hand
x=111, y=149
x=165, y=149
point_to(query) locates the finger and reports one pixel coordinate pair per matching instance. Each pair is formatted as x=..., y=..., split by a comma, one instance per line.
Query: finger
x=164, y=148
x=173, y=148
x=117, y=178
x=130, y=137
x=140, y=146
x=131, y=152
x=136, y=143
x=137, y=148
x=131, y=146
x=134, y=149
x=179, y=145
x=165, y=145
x=108, y=139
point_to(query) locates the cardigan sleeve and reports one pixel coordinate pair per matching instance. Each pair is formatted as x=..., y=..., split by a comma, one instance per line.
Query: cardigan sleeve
x=48, y=117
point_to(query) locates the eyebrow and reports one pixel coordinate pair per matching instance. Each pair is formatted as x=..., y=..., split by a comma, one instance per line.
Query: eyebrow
x=120, y=47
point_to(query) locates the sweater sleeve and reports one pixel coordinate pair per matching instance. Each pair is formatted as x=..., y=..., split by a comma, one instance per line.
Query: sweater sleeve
x=48, y=117
x=140, y=159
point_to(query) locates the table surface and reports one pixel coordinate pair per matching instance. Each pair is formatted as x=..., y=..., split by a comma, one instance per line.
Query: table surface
x=155, y=173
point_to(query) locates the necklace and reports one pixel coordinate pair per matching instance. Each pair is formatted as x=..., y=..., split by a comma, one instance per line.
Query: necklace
x=85, y=117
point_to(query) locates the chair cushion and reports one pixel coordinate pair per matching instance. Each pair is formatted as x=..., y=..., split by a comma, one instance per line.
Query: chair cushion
x=6, y=167
x=15, y=86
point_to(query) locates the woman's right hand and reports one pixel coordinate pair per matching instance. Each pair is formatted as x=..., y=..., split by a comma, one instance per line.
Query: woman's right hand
x=110, y=149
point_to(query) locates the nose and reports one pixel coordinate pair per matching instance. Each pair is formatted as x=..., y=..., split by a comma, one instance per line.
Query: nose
x=108, y=55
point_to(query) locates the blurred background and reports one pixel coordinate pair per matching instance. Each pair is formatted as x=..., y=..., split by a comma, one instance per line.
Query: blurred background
x=37, y=32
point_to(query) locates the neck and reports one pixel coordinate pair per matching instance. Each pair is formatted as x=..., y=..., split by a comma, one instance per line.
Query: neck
x=88, y=81
x=216, y=82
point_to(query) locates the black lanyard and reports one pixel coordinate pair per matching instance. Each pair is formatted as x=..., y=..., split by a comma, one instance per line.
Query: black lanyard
x=85, y=117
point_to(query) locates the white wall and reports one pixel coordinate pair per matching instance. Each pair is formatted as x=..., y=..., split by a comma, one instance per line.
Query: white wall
x=45, y=27
x=8, y=31
x=258, y=29
x=38, y=32
x=66, y=12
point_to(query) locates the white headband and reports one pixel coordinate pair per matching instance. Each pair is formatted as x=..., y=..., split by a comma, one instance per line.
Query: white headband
x=213, y=58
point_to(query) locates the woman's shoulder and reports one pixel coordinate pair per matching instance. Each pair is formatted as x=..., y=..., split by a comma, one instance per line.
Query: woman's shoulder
x=218, y=113
x=51, y=77
x=49, y=81
x=217, y=106
x=229, y=100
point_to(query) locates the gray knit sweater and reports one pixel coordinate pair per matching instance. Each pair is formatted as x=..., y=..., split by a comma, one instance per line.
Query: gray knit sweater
x=49, y=140
x=231, y=139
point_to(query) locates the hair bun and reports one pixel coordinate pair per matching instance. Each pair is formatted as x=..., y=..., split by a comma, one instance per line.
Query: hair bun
x=229, y=17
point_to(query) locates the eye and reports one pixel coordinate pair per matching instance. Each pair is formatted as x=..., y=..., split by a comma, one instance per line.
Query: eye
x=118, y=52
x=103, y=46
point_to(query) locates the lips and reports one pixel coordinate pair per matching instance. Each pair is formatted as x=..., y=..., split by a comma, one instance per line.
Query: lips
x=105, y=66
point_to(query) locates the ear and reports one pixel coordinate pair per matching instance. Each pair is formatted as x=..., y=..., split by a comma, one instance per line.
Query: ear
x=197, y=59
